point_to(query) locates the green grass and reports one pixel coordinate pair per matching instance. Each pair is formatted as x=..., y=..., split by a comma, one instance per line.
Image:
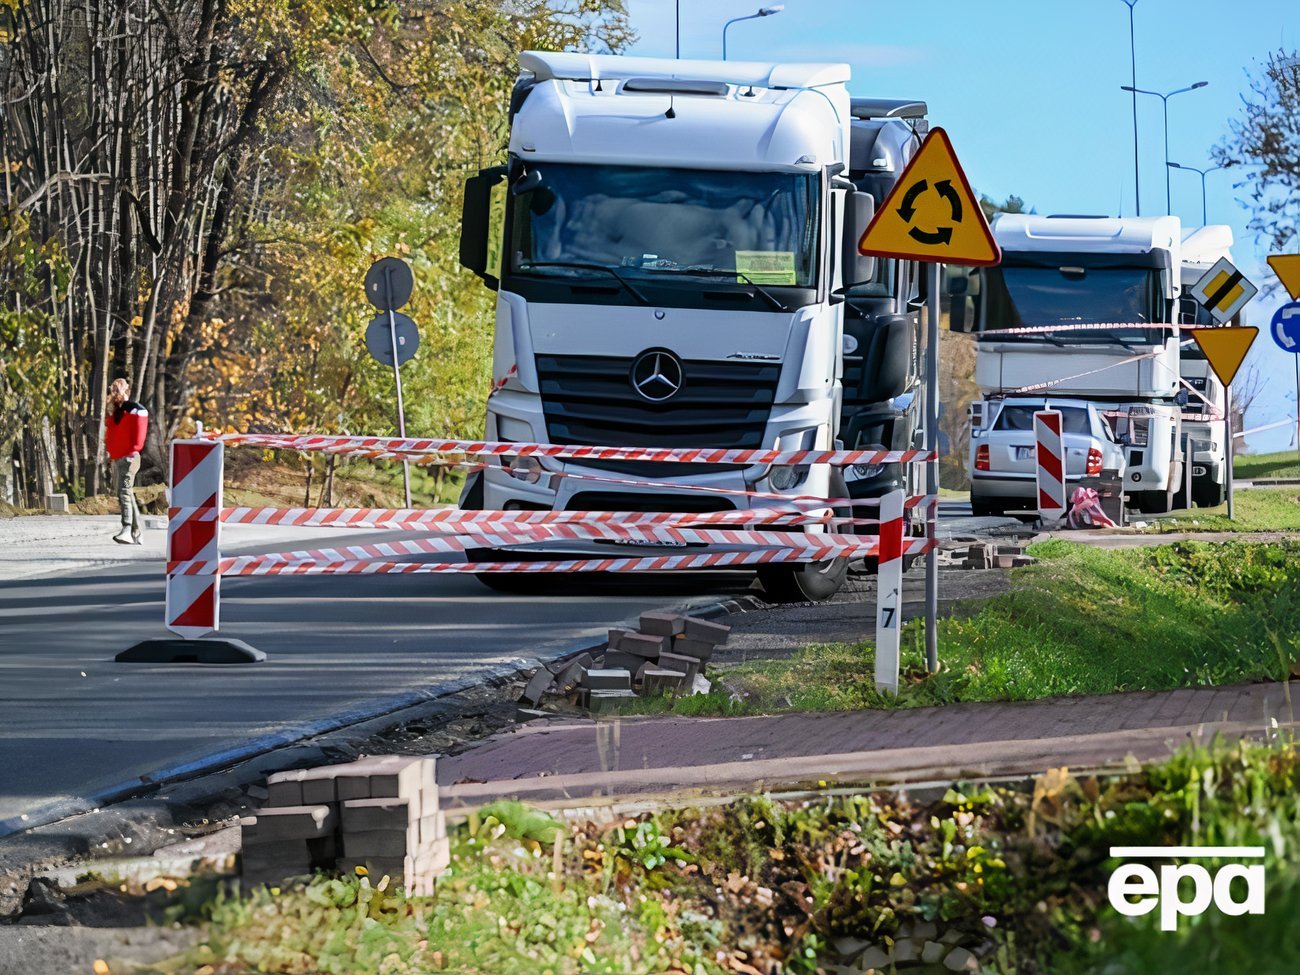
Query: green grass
x=1284, y=464
x=1082, y=620
x=1014, y=872
x=1256, y=510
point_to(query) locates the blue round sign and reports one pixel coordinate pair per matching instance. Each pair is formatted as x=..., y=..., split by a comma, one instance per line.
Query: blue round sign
x=1285, y=327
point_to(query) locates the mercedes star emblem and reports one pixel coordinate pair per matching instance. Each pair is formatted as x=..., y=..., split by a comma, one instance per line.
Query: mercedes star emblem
x=657, y=375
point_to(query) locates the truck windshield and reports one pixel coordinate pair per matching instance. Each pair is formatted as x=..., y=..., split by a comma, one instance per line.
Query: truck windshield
x=646, y=221
x=1024, y=296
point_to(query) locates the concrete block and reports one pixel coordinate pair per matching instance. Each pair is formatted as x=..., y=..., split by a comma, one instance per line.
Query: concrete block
x=603, y=702
x=379, y=843
x=690, y=666
x=645, y=645
x=615, y=636
x=362, y=815
x=699, y=649
x=662, y=624
x=284, y=788
x=537, y=687
x=657, y=681
x=56, y=503
x=608, y=680
x=698, y=629
x=295, y=822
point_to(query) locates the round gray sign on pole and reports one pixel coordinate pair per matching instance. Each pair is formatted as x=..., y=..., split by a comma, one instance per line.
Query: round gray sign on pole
x=380, y=344
x=388, y=283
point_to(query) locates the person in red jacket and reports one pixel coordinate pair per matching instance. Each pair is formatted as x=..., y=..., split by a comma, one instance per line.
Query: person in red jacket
x=125, y=427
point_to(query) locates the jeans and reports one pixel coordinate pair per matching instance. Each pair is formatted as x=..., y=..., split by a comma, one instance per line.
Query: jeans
x=124, y=472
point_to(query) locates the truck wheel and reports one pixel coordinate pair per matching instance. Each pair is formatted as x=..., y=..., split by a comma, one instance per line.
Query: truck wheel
x=1208, y=494
x=803, y=582
x=1154, y=502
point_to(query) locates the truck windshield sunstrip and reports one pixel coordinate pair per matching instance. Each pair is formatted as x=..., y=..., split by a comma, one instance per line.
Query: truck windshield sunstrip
x=760, y=228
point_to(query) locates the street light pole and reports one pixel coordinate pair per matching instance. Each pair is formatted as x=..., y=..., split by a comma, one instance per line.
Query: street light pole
x=761, y=12
x=1204, y=173
x=1164, y=97
x=1132, y=55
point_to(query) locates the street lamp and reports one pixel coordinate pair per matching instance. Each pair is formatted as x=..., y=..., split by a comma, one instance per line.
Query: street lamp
x=1164, y=97
x=1132, y=57
x=1204, y=173
x=762, y=12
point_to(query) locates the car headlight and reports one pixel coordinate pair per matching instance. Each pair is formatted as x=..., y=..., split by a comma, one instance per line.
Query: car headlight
x=783, y=478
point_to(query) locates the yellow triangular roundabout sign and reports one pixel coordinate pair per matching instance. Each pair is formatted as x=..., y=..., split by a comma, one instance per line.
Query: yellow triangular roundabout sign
x=1225, y=348
x=931, y=214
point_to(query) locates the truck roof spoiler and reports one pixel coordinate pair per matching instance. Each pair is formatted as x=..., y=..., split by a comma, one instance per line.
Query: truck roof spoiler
x=867, y=108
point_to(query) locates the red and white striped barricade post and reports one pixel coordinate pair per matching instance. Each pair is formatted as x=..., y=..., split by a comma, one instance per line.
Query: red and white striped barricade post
x=889, y=591
x=1050, y=456
x=193, y=599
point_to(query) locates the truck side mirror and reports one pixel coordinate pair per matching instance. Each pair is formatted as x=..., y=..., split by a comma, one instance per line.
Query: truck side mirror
x=858, y=210
x=482, y=224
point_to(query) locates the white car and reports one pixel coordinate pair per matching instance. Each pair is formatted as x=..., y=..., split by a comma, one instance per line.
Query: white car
x=1003, y=466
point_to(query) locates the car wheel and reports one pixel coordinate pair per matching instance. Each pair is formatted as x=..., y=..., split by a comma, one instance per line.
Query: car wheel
x=983, y=509
x=803, y=582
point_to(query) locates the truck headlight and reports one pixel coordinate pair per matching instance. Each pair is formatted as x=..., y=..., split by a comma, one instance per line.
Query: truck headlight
x=783, y=478
x=1202, y=445
x=864, y=472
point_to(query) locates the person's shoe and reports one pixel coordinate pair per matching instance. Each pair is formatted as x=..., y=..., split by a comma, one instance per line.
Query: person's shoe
x=136, y=538
x=123, y=537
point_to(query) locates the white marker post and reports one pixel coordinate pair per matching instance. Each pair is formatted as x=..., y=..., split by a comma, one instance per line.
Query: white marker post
x=889, y=592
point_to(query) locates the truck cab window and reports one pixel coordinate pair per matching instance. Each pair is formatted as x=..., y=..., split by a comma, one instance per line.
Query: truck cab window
x=645, y=221
x=1016, y=296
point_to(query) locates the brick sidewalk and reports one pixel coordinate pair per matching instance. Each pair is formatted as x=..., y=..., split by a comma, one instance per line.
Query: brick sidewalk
x=571, y=759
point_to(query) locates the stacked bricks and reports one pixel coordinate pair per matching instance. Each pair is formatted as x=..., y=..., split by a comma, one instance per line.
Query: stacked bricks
x=379, y=814
x=666, y=655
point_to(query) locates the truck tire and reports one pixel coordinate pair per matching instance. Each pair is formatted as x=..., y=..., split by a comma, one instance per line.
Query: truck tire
x=1154, y=502
x=1209, y=494
x=803, y=582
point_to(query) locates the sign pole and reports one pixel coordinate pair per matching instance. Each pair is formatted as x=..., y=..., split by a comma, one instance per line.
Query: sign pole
x=397, y=377
x=932, y=468
x=1232, y=443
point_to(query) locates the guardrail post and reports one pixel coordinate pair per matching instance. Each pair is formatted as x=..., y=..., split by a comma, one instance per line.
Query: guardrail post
x=194, y=534
x=889, y=591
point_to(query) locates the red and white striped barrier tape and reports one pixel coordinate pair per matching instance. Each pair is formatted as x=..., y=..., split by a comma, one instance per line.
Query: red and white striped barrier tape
x=410, y=449
x=455, y=519
x=249, y=565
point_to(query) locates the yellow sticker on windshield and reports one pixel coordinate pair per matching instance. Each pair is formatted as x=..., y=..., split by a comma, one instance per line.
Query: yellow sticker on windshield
x=766, y=267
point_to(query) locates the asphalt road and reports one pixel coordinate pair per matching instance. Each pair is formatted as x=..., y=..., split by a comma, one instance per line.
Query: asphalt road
x=76, y=726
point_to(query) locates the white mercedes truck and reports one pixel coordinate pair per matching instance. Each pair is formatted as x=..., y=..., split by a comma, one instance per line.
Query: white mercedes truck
x=673, y=247
x=1123, y=274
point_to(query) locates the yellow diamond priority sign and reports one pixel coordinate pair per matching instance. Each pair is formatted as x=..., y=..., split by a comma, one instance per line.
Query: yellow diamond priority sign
x=1224, y=291
x=1225, y=348
x=931, y=213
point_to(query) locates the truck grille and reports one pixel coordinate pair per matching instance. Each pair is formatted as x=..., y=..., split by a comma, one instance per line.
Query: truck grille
x=589, y=400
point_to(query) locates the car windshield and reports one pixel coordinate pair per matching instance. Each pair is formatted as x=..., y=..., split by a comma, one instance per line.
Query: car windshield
x=1073, y=419
x=1069, y=295
x=760, y=227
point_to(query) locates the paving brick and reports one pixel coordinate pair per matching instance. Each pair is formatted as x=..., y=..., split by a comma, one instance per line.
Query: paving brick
x=616, y=659
x=658, y=681
x=540, y=683
x=699, y=649
x=295, y=822
x=379, y=843
x=284, y=788
x=602, y=702
x=398, y=780
x=644, y=645
x=360, y=815
x=572, y=674
x=698, y=629
x=690, y=666
x=615, y=636
x=662, y=624
x=318, y=786
x=608, y=680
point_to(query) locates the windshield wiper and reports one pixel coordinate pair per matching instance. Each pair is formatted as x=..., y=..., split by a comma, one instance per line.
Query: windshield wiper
x=578, y=266
x=714, y=272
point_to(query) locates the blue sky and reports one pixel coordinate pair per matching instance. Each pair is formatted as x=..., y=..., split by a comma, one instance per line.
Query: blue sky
x=1029, y=91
